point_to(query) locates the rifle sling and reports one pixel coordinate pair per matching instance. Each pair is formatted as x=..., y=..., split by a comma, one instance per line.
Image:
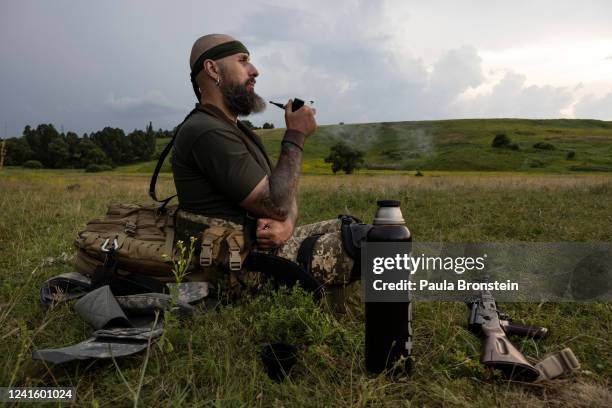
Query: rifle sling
x=556, y=364
x=160, y=162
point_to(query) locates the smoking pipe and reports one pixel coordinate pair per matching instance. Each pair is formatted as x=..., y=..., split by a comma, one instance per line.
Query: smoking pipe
x=297, y=104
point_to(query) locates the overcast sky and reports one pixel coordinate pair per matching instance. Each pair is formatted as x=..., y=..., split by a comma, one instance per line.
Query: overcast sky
x=83, y=65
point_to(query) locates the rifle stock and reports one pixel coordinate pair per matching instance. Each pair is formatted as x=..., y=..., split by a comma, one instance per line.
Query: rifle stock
x=500, y=354
x=497, y=351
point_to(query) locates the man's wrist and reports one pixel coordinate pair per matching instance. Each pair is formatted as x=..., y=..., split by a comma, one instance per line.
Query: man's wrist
x=294, y=137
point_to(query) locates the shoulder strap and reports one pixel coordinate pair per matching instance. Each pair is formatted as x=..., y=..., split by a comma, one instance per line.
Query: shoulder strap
x=304, y=255
x=160, y=162
x=255, y=139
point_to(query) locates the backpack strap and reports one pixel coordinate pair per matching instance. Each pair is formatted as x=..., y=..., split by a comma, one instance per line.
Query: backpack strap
x=284, y=271
x=160, y=162
x=304, y=255
x=122, y=283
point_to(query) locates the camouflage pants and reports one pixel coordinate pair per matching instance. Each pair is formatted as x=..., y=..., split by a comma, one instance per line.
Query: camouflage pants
x=330, y=264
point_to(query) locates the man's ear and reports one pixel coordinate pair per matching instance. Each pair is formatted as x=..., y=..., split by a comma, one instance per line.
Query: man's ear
x=212, y=69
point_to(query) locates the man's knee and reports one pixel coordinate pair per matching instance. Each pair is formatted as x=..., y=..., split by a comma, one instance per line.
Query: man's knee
x=330, y=263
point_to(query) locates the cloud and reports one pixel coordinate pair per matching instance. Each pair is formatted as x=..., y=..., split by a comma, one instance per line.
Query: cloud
x=355, y=73
x=336, y=55
x=453, y=73
x=511, y=97
x=361, y=61
x=151, y=104
x=593, y=107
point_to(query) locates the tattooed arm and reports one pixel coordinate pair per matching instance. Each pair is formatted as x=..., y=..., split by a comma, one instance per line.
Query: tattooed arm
x=272, y=233
x=274, y=197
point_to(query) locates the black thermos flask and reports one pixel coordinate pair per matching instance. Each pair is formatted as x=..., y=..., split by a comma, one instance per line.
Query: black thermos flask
x=388, y=334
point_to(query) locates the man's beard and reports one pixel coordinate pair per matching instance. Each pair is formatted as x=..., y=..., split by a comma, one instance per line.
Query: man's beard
x=240, y=100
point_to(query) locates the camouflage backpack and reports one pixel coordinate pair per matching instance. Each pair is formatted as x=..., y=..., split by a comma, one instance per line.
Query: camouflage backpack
x=141, y=237
x=134, y=243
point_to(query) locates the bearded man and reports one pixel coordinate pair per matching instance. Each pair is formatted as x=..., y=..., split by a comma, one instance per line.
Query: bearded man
x=224, y=177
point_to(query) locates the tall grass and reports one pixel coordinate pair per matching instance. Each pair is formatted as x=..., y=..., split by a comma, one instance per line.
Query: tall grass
x=214, y=359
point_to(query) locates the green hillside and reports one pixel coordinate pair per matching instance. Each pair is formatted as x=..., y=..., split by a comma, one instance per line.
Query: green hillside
x=455, y=145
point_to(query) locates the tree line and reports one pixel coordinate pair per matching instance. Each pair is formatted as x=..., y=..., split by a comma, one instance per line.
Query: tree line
x=107, y=147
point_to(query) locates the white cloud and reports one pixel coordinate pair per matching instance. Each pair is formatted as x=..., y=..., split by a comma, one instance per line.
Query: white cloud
x=511, y=97
x=594, y=107
x=555, y=62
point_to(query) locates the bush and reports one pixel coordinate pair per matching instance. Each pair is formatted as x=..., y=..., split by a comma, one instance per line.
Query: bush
x=33, y=164
x=344, y=157
x=17, y=151
x=513, y=146
x=96, y=168
x=249, y=124
x=544, y=146
x=501, y=141
x=570, y=155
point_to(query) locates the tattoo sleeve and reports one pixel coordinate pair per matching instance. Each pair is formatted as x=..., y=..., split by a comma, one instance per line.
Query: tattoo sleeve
x=278, y=200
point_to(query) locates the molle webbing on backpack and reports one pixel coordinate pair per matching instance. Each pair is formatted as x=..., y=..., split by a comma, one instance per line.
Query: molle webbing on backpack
x=141, y=237
x=221, y=245
x=212, y=238
x=236, y=251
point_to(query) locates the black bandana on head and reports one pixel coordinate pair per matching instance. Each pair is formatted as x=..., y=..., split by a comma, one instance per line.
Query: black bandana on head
x=214, y=53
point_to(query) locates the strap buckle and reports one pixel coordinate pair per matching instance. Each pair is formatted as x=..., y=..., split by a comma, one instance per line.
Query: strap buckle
x=104, y=247
x=235, y=261
x=206, y=254
x=130, y=228
x=210, y=238
x=234, y=241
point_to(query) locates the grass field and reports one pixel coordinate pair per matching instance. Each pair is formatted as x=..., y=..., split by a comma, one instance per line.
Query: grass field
x=211, y=359
x=457, y=145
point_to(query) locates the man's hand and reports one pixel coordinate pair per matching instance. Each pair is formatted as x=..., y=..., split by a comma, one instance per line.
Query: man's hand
x=301, y=120
x=273, y=233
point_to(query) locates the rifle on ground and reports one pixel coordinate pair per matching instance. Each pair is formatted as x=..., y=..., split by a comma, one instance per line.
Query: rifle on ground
x=497, y=351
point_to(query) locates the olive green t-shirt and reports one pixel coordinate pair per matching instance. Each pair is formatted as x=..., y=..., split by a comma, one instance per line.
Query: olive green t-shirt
x=216, y=163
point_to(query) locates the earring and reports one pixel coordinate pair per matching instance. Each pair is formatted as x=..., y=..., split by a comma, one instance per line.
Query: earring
x=218, y=81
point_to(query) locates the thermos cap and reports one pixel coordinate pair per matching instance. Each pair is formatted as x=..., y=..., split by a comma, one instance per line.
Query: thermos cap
x=389, y=213
x=388, y=203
